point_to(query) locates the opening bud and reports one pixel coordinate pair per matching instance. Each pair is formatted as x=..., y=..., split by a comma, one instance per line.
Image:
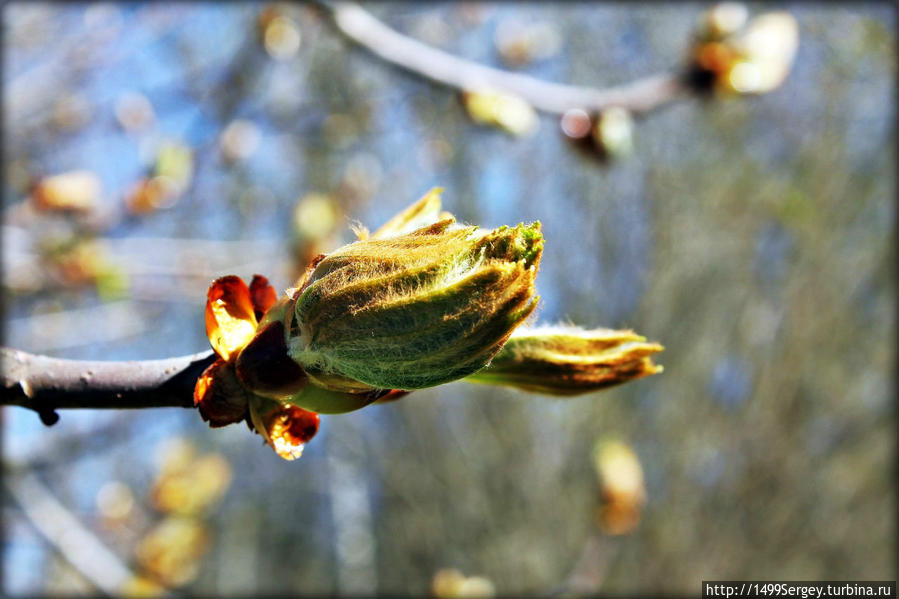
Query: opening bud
x=414, y=310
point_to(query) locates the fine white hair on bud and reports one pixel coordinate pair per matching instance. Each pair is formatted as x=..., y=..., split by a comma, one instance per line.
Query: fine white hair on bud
x=567, y=360
x=414, y=310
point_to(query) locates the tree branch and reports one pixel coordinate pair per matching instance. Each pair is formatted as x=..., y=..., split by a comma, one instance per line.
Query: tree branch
x=44, y=384
x=641, y=96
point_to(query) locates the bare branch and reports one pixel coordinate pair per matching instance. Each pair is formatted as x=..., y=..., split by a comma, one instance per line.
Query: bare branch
x=44, y=384
x=640, y=96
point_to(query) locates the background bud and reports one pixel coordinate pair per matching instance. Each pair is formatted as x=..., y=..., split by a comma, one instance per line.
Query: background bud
x=75, y=191
x=576, y=124
x=722, y=20
x=414, y=310
x=613, y=132
x=506, y=111
x=735, y=57
x=622, y=489
x=766, y=48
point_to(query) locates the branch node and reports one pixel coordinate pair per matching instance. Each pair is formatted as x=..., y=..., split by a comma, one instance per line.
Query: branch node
x=48, y=416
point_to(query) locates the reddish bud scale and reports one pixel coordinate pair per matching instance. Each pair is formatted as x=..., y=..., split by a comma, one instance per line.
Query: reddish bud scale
x=230, y=318
x=264, y=367
x=301, y=425
x=262, y=295
x=219, y=396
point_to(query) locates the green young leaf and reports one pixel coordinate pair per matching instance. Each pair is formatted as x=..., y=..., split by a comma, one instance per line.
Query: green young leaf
x=424, y=212
x=565, y=360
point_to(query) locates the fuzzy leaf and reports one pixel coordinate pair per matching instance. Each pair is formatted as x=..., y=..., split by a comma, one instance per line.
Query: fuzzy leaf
x=569, y=360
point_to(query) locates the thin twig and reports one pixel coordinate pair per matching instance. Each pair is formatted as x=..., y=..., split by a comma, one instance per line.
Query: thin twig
x=44, y=384
x=640, y=96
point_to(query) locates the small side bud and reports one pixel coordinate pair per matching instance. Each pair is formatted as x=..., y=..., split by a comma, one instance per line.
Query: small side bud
x=219, y=396
x=569, y=360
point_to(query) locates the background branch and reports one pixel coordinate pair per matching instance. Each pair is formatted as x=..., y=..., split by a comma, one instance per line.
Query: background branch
x=641, y=96
x=44, y=384
x=78, y=545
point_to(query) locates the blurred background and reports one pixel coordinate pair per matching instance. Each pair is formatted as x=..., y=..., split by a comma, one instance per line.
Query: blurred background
x=149, y=148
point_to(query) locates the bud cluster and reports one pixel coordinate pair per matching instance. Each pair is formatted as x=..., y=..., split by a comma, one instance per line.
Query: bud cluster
x=609, y=132
x=734, y=54
x=420, y=302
